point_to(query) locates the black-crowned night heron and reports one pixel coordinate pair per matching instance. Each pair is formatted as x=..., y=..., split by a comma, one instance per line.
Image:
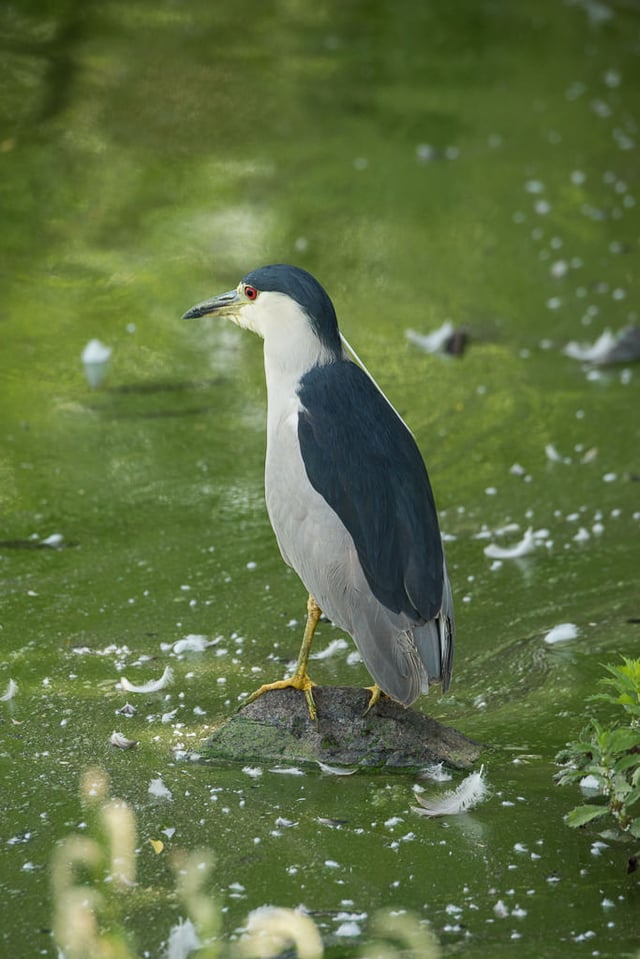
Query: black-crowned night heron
x=347, y=491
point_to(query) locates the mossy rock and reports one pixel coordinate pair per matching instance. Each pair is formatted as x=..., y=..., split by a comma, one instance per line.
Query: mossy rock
x=277, y=727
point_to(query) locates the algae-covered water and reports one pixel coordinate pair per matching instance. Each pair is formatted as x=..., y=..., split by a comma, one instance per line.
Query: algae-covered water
x=472, y=162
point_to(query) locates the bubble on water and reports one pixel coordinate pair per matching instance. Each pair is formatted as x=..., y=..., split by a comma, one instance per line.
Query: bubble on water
x=559, y=269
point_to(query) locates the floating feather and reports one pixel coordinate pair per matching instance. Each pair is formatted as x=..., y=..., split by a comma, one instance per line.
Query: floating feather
x=561, y=633
x=121, y=741
x=158, y=789
x=337, y=770
x=153, y=686
x=95, y=360
x=436, y=773
x=526, y=545
x=126, y=710
x=183, y=940
x=469, y=793
x=620, y=347
x=192, y=643
x=12, y=689
x=432, y=342
x=55, y=541
x=554, y=456
x=335, y=646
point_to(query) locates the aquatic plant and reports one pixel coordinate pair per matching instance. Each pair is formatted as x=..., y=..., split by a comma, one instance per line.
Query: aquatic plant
x=94, y=878
x=605, y=759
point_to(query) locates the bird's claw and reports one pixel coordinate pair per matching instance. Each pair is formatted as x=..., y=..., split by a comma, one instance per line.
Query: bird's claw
x=301, y=682
x=376, y=695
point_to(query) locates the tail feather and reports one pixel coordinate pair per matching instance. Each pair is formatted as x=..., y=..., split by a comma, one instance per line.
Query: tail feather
x=403, y=658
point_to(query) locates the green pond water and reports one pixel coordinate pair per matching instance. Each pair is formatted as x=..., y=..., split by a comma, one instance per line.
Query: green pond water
x=471, y=161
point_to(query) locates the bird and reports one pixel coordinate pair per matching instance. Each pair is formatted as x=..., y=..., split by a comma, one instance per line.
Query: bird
x=346, y=490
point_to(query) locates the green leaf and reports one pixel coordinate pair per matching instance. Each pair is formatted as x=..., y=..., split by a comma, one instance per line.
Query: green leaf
x=584, y=814
x=634, y=828
x=632, y=797
x=627, y=762
x=621, y=740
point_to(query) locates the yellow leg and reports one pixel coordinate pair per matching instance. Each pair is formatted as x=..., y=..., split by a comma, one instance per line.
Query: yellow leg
x=300, y=679
x=376, y=694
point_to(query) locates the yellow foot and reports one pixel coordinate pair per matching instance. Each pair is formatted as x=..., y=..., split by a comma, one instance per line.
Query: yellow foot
x=301, y=682
x=376, y=695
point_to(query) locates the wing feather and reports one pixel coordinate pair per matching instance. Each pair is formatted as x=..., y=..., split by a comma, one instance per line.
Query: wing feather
x=360, y=456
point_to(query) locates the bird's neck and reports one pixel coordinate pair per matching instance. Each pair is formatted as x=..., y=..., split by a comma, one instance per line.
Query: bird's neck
x=286, y=364
x=283, y=374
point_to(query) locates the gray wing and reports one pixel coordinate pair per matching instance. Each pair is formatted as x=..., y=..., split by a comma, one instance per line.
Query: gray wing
x=360, y=457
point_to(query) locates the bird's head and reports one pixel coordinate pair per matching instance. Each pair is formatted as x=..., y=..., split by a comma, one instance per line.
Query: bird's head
x=284, y=305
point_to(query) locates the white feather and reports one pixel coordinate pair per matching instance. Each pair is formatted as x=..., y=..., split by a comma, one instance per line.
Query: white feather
x=151, y=687
x=592, y=352
x=183, y=940
x=561, y=633
x=192, y=643
x=526, y=545
x=469, y=793
x=336, y=770
x=335, y=646
x=121, y=741
x=12, y=689
x=431, y=342
x=436, y=773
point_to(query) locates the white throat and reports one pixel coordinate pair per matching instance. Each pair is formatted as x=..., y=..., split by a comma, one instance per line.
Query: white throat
x=290, y=345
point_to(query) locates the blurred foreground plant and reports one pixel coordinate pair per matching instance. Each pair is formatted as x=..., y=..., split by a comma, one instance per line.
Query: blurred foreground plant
x=94, y=877
x=609, y=754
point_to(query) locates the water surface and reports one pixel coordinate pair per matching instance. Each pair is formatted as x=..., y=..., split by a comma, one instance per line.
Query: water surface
x=427, y=161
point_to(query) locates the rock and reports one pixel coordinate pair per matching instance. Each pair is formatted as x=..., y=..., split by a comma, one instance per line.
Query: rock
x=277, y=727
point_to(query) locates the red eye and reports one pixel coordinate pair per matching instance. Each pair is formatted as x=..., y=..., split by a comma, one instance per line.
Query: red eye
x=250, y=292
